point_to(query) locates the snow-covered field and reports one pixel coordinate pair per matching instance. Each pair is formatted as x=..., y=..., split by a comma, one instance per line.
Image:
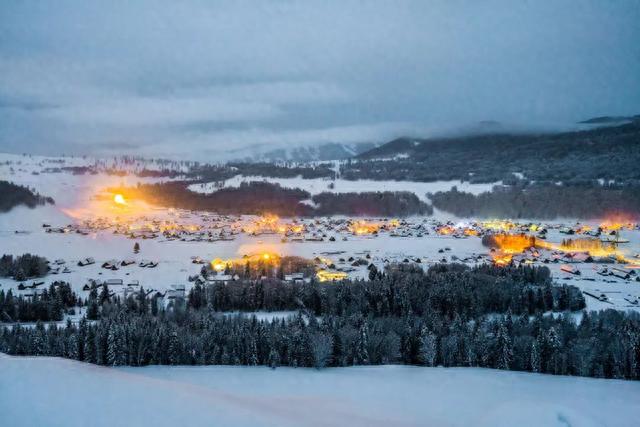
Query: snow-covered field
x=57, y=392
x=320, y=185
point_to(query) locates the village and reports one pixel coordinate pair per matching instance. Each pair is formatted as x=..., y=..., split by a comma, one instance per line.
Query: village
x=93, y=237
x=168, y=251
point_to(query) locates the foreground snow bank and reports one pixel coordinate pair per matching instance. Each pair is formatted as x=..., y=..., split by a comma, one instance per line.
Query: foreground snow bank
x=58, y=392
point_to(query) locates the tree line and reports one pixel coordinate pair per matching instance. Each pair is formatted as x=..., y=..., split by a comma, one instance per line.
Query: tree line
x=387, y=203
x=257, y=198
x=23, y=267
x=445, y=289
x=208, y=173
x=50, y=305
x=541, y=201
x=450, y=315
x=16, y=195
x=603, y=344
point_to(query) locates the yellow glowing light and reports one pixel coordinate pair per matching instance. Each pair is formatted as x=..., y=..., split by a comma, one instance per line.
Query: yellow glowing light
x=511, y=244
x=363, y=227
x=498, y=225
x=502, y=259
x=218, y=265
x=119, y=199
x=445, y=230
x=617, y=222
x=267, y=257
x=326, y=276
x=470, y=232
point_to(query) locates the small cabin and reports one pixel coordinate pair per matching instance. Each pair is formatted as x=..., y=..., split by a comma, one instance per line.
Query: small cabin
x=86, y=261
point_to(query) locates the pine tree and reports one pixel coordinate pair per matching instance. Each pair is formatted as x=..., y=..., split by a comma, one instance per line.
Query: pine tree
x=104, y=294
x=554, y=344
x=428, y=347
x=72, y=347
x=362, y=354
x=143, y=305
x=505, y=348
x=38, y=346
x=535, y=357
x=274, y=358
x=173, y=351
x=90, y=348
x=321, y=347
x=373, y=272
x=111, y=354
x=253, y=352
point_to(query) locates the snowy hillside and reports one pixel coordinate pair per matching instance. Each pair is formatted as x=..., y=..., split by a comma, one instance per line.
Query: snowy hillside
x=57, y=392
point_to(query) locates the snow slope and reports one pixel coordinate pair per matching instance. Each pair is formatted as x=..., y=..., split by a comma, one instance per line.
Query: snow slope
x=58, y=392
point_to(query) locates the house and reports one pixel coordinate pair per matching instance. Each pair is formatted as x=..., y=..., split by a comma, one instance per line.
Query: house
x=176, y=291
x=569, y=269
x=148, y=264
x=32, y=293
x=113, y=282
x=620, y=273
x=219, y=278
x=86, y=261
x=110, y=265
x=294, y=278
x=581, y=257
x=130, y=291
x=127, y=262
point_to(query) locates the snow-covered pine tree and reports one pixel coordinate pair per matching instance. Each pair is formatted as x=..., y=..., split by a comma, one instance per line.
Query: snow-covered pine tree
x=111, y=353
x=362, y=354
x=535, y=357
x=428, y=347
x=504, y=348
x=173, y=351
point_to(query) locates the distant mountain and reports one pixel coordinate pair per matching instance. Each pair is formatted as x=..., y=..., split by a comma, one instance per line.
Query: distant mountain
x=600, y=152
x=608, y=120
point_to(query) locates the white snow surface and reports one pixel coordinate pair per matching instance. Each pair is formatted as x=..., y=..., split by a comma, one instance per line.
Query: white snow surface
x=39, y=391
x=320, y=185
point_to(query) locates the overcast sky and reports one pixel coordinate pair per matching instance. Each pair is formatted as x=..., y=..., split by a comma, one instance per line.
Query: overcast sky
x=194, y=78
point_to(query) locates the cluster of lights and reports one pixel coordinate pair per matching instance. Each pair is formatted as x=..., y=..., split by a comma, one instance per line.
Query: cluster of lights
x=267, y=257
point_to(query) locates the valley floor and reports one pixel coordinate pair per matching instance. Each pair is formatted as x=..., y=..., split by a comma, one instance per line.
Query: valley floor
x=57, y=392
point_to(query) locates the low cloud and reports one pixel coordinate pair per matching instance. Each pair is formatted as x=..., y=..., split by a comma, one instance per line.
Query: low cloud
x=193, y=79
